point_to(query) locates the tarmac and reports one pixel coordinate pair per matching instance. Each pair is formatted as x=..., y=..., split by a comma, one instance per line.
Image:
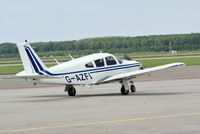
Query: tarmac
x=165, y=102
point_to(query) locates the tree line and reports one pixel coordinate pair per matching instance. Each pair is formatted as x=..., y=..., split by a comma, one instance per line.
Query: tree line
x=151, y=43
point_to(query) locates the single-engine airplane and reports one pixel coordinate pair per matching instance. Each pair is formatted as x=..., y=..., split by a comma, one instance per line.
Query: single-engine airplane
x=93, y=69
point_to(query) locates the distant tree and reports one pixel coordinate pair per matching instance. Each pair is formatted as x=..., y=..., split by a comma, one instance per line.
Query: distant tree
x=152, y=43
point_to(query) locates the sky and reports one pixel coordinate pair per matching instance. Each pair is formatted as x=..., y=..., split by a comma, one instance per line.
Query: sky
x=61, y=20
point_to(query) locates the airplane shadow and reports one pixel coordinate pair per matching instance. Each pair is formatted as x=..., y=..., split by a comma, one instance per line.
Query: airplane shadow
x=130, y=94
x=58, y=97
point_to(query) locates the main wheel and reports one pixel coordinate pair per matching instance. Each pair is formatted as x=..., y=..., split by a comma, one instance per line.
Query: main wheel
x=71, y=91
x=133, y=88
x=124, y=91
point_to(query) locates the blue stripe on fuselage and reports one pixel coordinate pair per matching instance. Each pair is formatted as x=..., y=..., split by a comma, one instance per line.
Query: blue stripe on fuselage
x=97, y=70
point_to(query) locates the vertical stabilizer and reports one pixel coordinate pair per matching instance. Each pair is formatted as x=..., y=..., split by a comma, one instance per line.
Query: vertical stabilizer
x=31, y=62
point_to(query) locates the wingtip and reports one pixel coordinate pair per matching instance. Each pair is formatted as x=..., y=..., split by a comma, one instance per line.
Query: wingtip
x=182, y=64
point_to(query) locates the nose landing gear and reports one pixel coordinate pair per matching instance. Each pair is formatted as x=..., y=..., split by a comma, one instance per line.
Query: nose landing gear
x=133, y=88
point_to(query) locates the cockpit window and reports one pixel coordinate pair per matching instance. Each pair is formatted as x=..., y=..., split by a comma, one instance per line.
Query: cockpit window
x=110, y=60
x=99, y=62
x=89, y=65
x=120, y=61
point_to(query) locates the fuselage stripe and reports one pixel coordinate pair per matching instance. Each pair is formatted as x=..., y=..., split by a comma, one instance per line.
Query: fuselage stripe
x=96, y=70
x=114, y=69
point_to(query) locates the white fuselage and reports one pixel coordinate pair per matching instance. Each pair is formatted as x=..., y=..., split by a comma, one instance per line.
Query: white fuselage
x=80, y=72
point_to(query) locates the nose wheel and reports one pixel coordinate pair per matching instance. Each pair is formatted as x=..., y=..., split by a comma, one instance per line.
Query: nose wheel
x=133, y=88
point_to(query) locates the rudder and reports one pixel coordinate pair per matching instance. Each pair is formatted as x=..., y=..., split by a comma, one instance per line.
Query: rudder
x=31, y=62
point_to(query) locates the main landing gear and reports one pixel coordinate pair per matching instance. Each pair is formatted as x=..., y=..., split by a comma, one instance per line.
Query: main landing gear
x=71, y=90
x=124, y=91
x=126, y=87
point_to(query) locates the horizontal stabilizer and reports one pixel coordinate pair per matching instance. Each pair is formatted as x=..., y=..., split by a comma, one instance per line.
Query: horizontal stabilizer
x=23, y=74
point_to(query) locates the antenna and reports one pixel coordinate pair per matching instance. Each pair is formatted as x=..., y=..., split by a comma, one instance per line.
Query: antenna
x=55, y=59
x=70, y=56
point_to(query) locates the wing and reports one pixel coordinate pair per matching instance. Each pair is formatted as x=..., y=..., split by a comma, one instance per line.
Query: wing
x=142, y=72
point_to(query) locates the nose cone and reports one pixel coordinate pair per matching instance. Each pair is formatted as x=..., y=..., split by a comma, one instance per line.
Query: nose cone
x=141, y=67
x=136, y=64
x=140, y=64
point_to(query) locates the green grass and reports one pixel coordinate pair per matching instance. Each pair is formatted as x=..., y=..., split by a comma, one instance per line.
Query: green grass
x=159, y=54
x=10, y=69
x=120, y=55
x=145, y=63
x=13, y=69
x=157, y=62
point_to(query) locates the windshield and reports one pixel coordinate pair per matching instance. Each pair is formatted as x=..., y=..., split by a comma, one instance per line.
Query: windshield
x=120, y=61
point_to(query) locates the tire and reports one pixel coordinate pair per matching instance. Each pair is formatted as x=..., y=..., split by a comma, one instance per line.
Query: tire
x=133, y=88
x=124, y=91
x=71, y=91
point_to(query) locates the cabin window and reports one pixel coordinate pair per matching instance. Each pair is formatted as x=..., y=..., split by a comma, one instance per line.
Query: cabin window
x=110, y=60
x=89, y=65
x=99, y=62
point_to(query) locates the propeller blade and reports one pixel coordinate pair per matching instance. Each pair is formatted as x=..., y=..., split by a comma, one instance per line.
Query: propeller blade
x=127, y=57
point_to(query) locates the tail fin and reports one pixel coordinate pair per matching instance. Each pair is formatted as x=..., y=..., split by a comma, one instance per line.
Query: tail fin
x=31, y=62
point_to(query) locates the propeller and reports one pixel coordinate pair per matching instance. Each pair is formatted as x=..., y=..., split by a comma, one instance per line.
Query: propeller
x=127, y=57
